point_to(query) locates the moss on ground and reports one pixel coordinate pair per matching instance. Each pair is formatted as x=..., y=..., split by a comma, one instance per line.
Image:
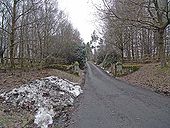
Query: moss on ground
x=128, y=69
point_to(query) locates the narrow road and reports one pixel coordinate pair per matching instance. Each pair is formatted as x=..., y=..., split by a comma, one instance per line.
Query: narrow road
x=110, y=103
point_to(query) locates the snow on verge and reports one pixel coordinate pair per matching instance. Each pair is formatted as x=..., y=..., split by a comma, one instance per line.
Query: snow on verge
x=43, y=96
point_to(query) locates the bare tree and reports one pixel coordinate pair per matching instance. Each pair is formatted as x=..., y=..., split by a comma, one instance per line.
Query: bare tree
x=137, y=16
x=35, y=30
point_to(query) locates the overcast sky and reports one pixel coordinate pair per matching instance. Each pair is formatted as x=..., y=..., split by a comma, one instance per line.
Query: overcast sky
x=82, y=15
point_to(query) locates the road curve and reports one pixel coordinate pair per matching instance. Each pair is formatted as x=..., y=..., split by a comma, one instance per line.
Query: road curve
x=110, y=103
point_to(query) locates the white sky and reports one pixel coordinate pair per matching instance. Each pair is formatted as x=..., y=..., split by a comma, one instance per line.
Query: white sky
x=82, y=15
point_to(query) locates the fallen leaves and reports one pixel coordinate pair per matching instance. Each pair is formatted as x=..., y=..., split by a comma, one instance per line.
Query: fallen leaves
x=151, y=76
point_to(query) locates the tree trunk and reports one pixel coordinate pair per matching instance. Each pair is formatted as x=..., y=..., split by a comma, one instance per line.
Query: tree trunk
x=105, y=58
x=161, y=47
x=2, y=50
x=12, y=51
x=12, y=36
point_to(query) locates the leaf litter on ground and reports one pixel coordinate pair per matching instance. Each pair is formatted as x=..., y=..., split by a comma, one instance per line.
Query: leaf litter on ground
x=152, y=76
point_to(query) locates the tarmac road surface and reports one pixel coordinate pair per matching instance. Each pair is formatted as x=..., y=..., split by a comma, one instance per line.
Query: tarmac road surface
x=110, y=103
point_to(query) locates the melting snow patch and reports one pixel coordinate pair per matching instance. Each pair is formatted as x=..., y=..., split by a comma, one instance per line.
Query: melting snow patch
x=42, y=96
x=43, y=118
x=108, y=72
x=102, y=68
